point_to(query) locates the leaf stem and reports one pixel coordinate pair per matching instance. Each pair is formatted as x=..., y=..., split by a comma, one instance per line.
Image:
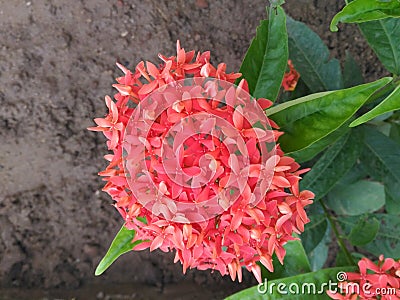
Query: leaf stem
x=339, y=239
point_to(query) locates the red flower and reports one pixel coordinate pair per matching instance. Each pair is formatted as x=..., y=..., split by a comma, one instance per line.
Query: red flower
x=290, y=78
x=189, y=160
x=375, y=281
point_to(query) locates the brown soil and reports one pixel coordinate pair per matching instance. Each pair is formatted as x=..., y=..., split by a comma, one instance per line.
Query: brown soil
x=57, y=61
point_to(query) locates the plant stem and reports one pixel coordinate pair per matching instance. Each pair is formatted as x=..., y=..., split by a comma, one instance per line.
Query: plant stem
x=349, y=258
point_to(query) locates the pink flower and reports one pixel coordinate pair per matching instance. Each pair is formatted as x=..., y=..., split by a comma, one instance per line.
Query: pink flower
x=291, y=78
x=110, y=125
x=375, y=281
x=238, y=233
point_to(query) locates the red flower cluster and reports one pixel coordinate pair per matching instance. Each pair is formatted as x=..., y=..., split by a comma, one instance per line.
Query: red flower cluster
x=374, y=281
x=244, y=231
x=290, y=78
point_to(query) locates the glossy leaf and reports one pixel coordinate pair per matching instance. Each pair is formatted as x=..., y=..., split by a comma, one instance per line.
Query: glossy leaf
x=391, y=103
x=333, y=165
x=352, y=75
x=364, y=231
x=268, y=290
x=280, y=107
x=309, y=119
x=311, y=59
x=266, y=59
x=121, y=244
x=384, y=38
x=359, y=11
x=358, y=198
x=387, y=239
x=312, y=150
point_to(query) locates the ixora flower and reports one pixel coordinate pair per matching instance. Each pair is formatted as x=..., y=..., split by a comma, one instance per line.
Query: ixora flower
x=195, y=167
x=290, y=78
x=373, y=281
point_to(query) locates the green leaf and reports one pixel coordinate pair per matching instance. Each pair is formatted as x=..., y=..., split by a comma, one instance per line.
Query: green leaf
x=316, y=237
x=333, y=165
x=392, y=201
x=356, y=173
x=395, y=132
x=386, y=241
x=391, y=103
x=359, y=11
x=352, y=74
x=281, y=107
x=266, y=59
x=275, y=3
x=382, y=126
x=319, y=254
x=384, y=38
x=142, y=219
x=309, y=119
x=295, y=262
x=312, y=150
x=381, y=156
x=392, y=195
x=392, y=192
x=342, y=259
x=310, y=57
x=357, y=198
x=304, y=282
x=121, y=244
x=314, y=231
x=363, y=232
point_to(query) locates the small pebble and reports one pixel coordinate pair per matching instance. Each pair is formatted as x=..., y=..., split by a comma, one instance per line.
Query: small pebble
x=124, y=33
x=201, y=3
